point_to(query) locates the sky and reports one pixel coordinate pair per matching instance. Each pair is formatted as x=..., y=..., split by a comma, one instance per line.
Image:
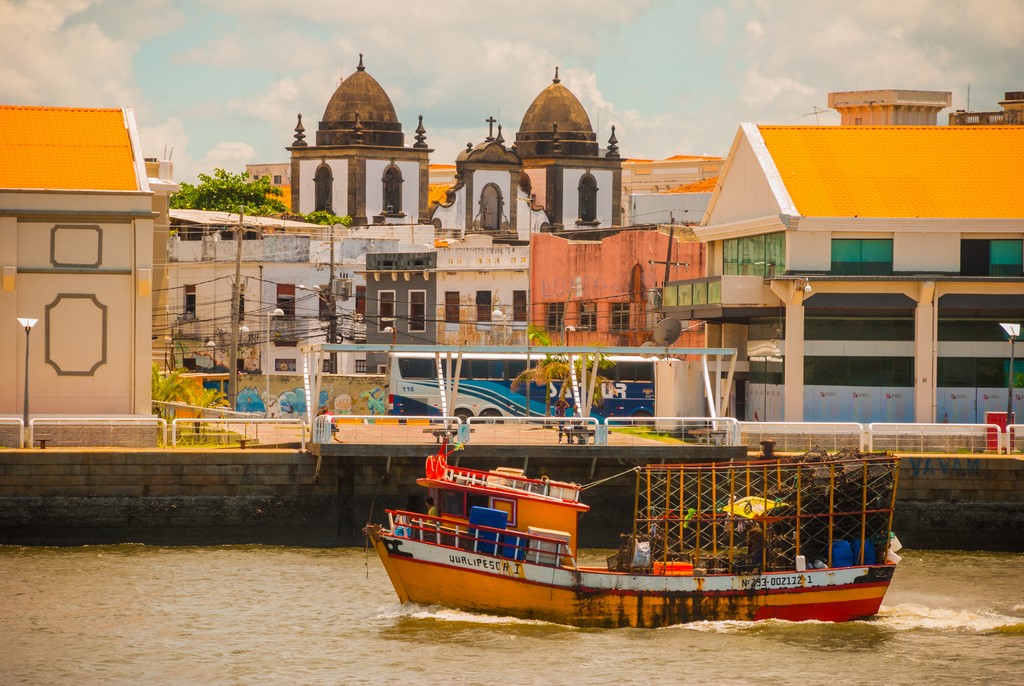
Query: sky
x=218, y=83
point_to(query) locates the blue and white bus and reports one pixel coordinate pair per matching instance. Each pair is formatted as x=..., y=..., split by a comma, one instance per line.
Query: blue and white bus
x=485, y=387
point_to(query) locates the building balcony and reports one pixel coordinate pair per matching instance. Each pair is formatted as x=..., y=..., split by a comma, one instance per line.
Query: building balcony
x=1002, y=118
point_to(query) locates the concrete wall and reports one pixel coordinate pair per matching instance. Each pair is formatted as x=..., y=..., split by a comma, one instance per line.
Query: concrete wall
x=236, y=496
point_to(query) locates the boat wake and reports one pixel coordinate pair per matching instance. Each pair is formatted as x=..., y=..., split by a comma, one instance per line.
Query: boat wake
x=445, y=614
x=910, y=617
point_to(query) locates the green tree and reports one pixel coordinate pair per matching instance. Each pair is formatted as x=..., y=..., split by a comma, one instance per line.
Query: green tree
x=177, y=388
x=227, y=192
x=325, y=218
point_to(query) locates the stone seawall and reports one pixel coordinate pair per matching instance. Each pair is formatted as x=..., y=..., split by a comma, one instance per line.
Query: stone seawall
x=288, y=497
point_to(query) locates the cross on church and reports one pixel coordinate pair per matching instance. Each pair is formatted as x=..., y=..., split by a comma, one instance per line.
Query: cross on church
x=490, y=127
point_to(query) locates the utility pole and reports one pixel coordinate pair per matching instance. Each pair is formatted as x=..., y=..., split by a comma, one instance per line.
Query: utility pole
x=236, y=298
x=332, y=323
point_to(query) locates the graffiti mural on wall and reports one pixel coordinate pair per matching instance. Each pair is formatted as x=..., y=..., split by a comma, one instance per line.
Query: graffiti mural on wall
x=355, y=394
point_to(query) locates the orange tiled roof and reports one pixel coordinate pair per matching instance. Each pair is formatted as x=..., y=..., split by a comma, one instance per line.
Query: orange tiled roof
x=437, y=192
x=900, y=171
x=702, y=186
x=66, y=149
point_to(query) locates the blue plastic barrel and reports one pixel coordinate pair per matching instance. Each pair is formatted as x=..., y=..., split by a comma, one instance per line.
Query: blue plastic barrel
x=842, y=554
x=870, y=557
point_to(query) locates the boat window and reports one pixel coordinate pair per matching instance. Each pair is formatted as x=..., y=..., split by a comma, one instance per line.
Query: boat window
x=477, y=501
x=453, y=503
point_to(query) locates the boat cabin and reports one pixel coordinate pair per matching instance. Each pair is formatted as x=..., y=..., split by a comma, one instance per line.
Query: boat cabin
x=504, y=498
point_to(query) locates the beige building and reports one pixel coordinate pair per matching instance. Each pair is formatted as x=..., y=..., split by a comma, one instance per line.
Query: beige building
x=862, y=275
x=1011, y=114
x=889, y=107
x=76, y=245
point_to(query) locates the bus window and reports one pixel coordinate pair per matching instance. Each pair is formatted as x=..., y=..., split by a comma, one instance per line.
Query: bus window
x=633, y=371
x=417, y=368
x=515, y=368
x=495, y=369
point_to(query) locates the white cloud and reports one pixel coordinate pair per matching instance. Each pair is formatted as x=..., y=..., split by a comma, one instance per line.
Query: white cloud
x=230, y=155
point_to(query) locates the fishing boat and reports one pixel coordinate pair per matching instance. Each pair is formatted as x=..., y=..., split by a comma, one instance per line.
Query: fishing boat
x=793, y=540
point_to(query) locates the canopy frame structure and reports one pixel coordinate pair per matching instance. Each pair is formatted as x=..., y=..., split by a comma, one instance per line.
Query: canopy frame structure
x=448, y=359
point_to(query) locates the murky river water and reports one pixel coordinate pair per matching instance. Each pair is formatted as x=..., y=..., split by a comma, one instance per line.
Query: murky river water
x=264, y=615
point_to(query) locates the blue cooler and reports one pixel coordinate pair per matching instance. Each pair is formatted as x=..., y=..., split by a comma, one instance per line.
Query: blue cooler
x=486, y=541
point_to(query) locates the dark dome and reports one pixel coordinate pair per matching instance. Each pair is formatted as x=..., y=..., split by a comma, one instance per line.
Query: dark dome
x=556, y=109
x=360, y=112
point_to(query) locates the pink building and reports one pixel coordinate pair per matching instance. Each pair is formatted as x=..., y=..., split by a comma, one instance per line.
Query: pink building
x=607, y=290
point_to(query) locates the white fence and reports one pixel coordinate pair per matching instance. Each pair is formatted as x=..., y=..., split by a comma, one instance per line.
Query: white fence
x=701, y=430
x=803, y=436
x=240, y=432
x=939, y=438
x=95, y=430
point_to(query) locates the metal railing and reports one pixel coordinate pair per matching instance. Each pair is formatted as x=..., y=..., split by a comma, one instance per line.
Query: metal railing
x=942, y=438
x=700, y=430
x=536, y=430
x=20, y=424
x=204, y=430
x=354, y=428
x=803, y=436
x=101, y=430
x=1011, y=443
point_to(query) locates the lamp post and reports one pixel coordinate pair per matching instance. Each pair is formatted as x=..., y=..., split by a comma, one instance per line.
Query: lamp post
x=276, y=312
x=28, y=324
x=1013, y=331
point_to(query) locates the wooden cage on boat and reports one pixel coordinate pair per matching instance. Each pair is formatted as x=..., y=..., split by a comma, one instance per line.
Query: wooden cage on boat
x=779, y=515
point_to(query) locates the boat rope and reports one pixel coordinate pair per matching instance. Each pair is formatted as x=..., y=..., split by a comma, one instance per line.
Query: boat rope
x=631, y=470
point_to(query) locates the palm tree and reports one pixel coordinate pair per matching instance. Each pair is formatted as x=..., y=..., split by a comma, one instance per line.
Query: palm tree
x=552, y=368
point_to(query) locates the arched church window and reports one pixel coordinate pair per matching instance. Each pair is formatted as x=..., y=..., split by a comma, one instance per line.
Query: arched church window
x=491, y=207
x=392, y=190
x=588, y=199
x=324, y=185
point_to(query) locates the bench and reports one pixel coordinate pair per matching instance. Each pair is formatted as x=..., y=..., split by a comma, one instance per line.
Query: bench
x=709, y=436
x=42, y=443
x=582, y=433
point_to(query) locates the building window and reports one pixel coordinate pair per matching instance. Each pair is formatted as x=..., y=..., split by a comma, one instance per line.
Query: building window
x=241, y=306
x=554, y=316
x=588, y=316
x=386, y=310
x=859, y=371
x=490, y=208
x=392, y=190
x=763, y=255
x=361, y=300
x=483, y=307
x=277, y=179
x=620, y=317
x=417, y=310
x=519, y=306
x=286, y=299
x=325, y=304
x=324, y=183
x=861, y=256
x=588, y=199
x=190, y=301
x=991, y=257
x=451, y=307
x=360, y=366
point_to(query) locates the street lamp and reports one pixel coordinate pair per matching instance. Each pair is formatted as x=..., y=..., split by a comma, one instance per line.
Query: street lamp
x=28, y=324
x=276, y=312
x=1013, y=331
